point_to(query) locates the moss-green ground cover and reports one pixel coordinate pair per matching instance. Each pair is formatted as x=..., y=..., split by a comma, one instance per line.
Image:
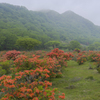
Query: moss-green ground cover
x=79, y=82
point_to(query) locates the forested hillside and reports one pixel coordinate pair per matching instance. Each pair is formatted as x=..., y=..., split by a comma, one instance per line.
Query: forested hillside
x=46, y=25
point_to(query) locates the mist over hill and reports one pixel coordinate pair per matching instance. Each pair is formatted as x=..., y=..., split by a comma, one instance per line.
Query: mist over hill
x=44, y=25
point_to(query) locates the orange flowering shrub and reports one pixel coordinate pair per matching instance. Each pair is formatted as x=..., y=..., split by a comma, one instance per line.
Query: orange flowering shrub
x=97, y=61
x=28, y=85
x=41, y=53
x=60, y=56
x=12, y=54
x=30, y=75
x=92, y=56
x=52, y=64
x=21, y=63
x=81, y=58
x=55, y=53
x=62, y=96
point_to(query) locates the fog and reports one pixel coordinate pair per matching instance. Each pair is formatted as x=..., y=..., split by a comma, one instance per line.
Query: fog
x=89, y=9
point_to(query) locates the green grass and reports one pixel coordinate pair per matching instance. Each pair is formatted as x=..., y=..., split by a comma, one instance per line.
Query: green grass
x=79, y=82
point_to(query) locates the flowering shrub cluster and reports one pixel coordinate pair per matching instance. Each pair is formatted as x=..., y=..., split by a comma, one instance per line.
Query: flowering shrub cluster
x=60, y=56
x=41, y=53
x=30, y=75
x=95, y=57
x=77, y=50
x=22, y=62
x=27, y=85
x=81, y=58
x=12, y=54
x=30, y=72
x=92, y=56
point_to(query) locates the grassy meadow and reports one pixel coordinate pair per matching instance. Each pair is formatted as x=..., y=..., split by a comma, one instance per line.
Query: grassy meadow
x=79, y=82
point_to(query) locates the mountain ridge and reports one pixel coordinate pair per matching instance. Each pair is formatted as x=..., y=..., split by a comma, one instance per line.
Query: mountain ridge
x=46, y=25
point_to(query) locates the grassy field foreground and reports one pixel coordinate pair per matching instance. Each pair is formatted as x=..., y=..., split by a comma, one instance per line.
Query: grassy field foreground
x=79, y=82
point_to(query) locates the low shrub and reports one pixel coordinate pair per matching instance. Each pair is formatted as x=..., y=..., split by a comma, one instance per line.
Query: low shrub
x=61, y=56
x=2, y=71
x=6, y=65
x=77, y=50
x=12, y=54
x=81, y=58
x=28, y=85
x=92, y=57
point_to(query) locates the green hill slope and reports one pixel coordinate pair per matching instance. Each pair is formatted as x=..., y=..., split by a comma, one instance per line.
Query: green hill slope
x=45, y=25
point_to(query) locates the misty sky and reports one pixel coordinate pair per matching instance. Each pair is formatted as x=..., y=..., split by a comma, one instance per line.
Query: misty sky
x=89, y=9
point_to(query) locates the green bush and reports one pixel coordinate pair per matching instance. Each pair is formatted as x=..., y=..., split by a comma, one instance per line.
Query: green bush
x=98, y=69
x=6, y=66
x=2, y=71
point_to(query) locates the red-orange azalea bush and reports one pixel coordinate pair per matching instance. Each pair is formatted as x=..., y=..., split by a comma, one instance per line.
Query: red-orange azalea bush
x=12, y=54
x=92, y=56
x=60, y=56
x=81, y=58
x=97, y=61
x=30, y=78
x=27, y=85
x=52, y=64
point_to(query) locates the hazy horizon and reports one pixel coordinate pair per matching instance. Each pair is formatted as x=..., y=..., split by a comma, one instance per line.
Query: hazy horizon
x=88, y=9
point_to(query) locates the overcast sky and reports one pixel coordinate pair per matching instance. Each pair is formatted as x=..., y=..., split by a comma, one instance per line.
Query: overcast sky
x=89, y=9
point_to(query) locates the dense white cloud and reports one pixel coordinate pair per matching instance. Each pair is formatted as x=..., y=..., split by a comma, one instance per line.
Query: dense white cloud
x=90, y=9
